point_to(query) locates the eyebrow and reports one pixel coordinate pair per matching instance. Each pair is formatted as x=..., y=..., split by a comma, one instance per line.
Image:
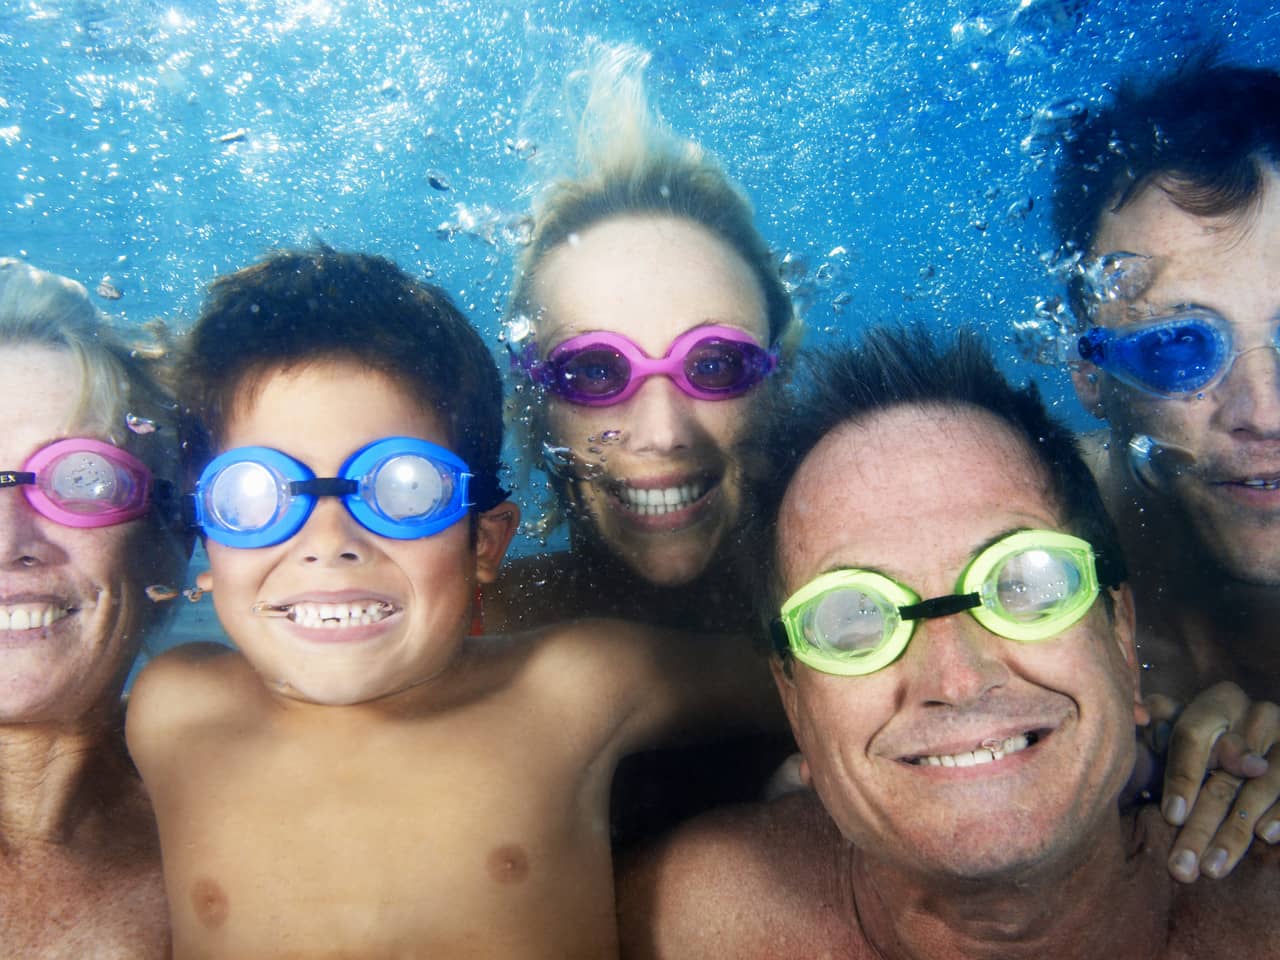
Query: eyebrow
x=990, y=541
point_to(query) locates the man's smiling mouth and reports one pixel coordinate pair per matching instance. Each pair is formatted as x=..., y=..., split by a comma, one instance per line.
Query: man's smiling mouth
x=30, y=616
x=328, y=615
x=988, y=751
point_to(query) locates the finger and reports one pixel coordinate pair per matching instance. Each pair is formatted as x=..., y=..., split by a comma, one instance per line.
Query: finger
x=1161, y=707
x=1233, y=838
x=1200, y=726
x=1233, y=754
x=1216, y=800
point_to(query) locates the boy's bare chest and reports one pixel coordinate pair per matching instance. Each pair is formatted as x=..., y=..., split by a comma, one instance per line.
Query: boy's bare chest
x=444, y=836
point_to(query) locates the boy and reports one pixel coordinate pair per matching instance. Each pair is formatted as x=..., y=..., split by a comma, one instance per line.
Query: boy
x=363, y=778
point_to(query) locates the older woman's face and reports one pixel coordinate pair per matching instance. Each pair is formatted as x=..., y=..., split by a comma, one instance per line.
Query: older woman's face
x=655, y=479
x=88, y=582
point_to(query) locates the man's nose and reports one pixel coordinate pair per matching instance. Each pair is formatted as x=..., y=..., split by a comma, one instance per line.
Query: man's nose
x=955, y=661
x=1250, y=394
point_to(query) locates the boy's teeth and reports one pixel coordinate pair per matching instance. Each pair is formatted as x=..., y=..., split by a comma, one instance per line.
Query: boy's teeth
x=1263, y=484
x=655, y=501
x=991, y=750
x=328, y=615
x=30, y=616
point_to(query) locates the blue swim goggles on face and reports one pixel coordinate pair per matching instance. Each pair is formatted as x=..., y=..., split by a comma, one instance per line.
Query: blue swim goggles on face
x=1028, y=586
x=399, y=487
x=1172, y=356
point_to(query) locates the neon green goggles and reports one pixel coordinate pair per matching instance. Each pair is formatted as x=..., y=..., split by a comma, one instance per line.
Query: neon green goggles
x=1028, y=586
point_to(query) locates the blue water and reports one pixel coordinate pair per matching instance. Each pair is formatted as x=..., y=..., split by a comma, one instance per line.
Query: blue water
x=897, y=154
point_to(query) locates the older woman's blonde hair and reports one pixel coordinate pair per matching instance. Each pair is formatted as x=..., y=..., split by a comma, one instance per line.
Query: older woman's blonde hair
x=629, y=162
x=117, y=384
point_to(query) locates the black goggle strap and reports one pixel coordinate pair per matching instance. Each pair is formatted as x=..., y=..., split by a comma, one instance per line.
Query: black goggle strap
x=1110, y=569
x=15, y=478
x=940, y=606
x=323, y=487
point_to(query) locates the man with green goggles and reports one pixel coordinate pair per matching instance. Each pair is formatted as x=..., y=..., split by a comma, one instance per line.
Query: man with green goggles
x=1027, y=586
x=928, y=548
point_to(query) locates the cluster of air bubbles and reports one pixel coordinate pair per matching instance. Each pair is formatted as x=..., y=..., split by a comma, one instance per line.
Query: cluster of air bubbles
x=1047, y=336
x=516, y=330
x=488, y=225
x=522, y=148
x=557, y=461
x=596, y=443
x=1058, y=121
x=1118, y=276
x=139, y=424
x=1061, y=264
x=806, y=287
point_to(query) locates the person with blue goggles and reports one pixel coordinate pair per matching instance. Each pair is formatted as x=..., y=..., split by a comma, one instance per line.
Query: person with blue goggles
x=397, y=487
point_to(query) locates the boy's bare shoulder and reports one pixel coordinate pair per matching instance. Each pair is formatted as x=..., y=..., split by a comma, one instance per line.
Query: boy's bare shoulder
x=190, y=684
x=759, y=880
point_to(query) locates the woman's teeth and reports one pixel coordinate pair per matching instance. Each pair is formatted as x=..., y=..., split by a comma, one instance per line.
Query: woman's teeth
x=30, y=616
x=1262, y=484
x=656, y=501
x=990, y=751
x=328, y=615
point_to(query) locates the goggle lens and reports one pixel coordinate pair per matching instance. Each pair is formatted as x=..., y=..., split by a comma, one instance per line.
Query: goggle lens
x=409, y=487
x=595, y=373
x=1175, y=358
x=721, y=366
x=849, y=622
x=1033, y=586
x=244, y=497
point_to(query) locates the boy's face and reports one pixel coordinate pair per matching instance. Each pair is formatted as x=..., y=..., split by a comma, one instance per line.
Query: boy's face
x=319, y=415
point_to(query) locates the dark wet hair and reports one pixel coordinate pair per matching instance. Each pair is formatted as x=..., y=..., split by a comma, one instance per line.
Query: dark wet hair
x=296, y=308
x=1203, y=133
x=895, y=367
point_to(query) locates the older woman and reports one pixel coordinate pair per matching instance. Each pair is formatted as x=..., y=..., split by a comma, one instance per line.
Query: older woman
x=81, y=538
x=645, y=311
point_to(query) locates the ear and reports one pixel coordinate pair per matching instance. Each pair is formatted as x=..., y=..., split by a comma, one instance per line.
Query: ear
x=1125, y=626
x=786, y=685
x=1086, y=378
x=494, y=531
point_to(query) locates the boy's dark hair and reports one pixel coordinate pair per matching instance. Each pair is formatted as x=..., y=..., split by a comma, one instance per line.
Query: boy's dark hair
x=895, y=367
x=1203, y=133
x=296, y=308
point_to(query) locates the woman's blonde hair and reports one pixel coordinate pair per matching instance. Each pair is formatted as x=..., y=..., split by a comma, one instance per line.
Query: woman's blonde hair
x=116, y=384
x=629, y=162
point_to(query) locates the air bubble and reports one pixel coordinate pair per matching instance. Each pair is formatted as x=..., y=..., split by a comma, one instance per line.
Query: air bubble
x=140, y=425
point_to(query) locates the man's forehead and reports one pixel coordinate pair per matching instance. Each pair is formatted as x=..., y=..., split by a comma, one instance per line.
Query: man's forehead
x=885, y=482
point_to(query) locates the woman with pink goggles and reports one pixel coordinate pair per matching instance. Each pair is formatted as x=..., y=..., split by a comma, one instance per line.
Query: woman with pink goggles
x=83, y=532
x=645, y=313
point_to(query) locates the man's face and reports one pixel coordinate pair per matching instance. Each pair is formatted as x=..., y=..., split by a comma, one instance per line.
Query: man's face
x=865, y=498
x=1229, y=268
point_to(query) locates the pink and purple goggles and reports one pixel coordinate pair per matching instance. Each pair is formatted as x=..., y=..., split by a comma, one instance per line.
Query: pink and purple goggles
x=602, y=368
x=81, y=482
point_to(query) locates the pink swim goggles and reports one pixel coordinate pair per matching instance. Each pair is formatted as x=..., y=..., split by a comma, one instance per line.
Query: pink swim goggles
x=600, y=369
x=80, y=482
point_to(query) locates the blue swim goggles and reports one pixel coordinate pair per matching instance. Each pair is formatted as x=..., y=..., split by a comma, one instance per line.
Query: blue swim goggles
x=399, y=487
x=1186, y=352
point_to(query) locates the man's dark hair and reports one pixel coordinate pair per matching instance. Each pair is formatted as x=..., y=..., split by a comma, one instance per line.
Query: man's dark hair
x=1203, y=134
x=297, y=308
x=894, y=367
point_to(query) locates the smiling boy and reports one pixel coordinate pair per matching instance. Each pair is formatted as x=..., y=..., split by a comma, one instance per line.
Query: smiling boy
x=363, y=777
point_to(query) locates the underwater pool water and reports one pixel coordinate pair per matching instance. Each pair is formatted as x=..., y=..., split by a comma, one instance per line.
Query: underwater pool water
x=897, y=153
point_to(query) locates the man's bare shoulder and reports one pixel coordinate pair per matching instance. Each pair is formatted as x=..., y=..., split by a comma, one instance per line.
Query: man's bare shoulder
x=757, y=881
x=1238, y=916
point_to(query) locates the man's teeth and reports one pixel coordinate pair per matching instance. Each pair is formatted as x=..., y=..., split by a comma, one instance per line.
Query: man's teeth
x=30, y=616
x=335, y=615
x=653, y=502
x=1262, y=484
x=990, y=751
